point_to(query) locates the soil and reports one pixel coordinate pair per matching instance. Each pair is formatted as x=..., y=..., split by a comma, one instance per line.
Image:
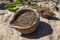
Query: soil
x=44, y=12
x=26, y=19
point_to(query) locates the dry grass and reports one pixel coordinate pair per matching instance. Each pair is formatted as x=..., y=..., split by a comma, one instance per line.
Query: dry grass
x=44, y=12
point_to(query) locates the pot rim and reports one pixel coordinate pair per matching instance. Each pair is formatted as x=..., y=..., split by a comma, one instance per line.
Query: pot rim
x=12, y=26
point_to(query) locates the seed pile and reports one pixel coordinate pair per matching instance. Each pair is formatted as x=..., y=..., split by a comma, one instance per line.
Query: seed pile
x=25, y=19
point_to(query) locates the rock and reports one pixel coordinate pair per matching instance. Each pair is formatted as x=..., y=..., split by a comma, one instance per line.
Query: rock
x=1, y=17
x=2, y=12
x=6, y=16
x=3, y=1
x=51, y=4
x=58, y=7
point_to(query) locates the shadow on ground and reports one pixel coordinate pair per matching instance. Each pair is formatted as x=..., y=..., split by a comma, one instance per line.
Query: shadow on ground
x=43, y=29
x=2, y=6
x=53, y=18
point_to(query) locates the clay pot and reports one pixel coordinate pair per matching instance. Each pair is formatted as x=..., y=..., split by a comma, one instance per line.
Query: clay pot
x=28, y=29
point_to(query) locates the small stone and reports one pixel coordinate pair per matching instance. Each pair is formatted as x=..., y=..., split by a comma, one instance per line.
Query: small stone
x=51, y=4
x=6, y=16
x=2, y=12
x=58, y=6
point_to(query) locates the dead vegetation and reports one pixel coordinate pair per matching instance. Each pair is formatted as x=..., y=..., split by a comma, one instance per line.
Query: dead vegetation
x=44, y=12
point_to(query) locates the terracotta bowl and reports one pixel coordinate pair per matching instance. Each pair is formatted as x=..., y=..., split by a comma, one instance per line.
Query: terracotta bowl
x=28, y=29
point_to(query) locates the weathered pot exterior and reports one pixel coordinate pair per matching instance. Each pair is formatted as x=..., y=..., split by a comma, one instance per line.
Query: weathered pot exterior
x=28, y=29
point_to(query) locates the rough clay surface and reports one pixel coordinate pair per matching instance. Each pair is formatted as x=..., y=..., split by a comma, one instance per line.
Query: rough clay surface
x=47, y=29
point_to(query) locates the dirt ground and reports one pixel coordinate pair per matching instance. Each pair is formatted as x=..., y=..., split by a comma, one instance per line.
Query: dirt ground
x=46, y=30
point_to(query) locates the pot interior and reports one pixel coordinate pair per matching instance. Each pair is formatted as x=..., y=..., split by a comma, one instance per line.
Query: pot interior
x=18, y=14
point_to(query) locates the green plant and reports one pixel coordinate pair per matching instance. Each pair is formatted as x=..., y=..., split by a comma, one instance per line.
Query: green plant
x=33, y=5
x=17, y=2
x=12, y=9
x=26, y=2
x=10, y=4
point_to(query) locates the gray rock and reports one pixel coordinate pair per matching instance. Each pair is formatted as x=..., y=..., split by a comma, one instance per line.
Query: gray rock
x=58, y=6
x=2, y=12
x=3, y=1
x=7, y=15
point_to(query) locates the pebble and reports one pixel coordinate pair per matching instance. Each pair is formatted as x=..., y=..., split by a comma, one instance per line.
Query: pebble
x=7, y=15
x=2, y=12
